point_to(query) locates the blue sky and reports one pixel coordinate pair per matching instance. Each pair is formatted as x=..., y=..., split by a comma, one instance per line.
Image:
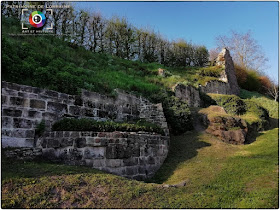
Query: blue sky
x=201, y=22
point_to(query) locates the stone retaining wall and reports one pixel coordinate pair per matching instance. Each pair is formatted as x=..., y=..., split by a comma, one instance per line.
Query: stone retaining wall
x=136, y=155
x=24, y=107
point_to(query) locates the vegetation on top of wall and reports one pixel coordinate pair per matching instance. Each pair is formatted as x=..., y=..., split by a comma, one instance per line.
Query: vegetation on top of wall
x=211, y=71
x=85, y=124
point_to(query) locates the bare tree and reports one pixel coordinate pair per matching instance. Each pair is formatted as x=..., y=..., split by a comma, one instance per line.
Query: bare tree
x=273, y=91
x=244, y=49
x=213, y=53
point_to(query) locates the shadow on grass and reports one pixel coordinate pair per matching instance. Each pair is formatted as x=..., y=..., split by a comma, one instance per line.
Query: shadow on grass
x=182, y=148
x=253, y=135
x=274, y=123
x=14, y=169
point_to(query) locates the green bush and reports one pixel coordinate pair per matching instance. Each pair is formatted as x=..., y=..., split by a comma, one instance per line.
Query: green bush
x=252, y=82
x=85, y=124
x=231, y=103
x=178, y=115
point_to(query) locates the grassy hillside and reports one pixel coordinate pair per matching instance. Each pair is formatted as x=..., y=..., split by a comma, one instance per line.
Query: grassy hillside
x=217, y=175
x=48, y=62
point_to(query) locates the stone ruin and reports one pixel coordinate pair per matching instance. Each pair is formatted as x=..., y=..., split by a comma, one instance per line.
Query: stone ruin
x=228, y=75
x=134, y=155
x=232, y=130
x=226, y=84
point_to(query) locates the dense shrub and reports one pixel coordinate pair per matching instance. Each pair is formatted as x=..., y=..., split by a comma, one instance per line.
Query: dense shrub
x=248, y=79
x=241, y=75
x=178, y=115
x=84, y=124
x=231, y=103
x=252, y=82
x=266, y=84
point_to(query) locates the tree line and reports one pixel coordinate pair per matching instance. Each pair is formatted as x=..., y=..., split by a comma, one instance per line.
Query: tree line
x=118, y=37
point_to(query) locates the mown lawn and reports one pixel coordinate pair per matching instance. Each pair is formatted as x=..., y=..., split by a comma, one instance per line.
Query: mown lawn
x=218, y=175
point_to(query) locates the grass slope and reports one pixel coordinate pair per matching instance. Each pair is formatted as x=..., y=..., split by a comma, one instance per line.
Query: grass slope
x=218, y=175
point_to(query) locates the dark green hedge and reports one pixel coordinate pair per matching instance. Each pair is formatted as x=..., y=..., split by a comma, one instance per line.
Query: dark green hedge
x=84, y=124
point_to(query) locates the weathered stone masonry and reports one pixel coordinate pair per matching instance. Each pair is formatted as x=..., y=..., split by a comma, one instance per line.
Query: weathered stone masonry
x=134, y=155
x=24, y=107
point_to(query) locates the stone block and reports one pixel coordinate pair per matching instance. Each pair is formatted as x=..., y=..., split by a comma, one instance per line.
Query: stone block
x=66, y=133
x=89, y=162
x=90, y=141
x=130, y=162
x=5, y=132
x=66, y=142
x=80, y=142
x=97, y=163
x=142, y=170
x=9, y=92
x=88, y=112
x=53, y=143
x=58, y=134
x=89, y=104
x=25, y=88
x=75, y=110
x=111, y=152
x=22, y=123
x=37, y=90
x=4, y=100
x=12, y=112
x=75, y=134
x=85, y=133
x=16, y=142
x=151, y=160
x=18, y=101
x=57, y=107
x=34, y=114
x=131, y=171
x=78, y=101
x=101, y=134
x=51, y=93
x=24, y=95
x=12, y=86
x=29, y=133
x=63, y=96
x=114, y=163
x=37, y=104
x=19, y=133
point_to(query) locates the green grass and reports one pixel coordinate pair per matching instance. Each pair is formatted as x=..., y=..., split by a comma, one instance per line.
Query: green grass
x=218, y=175
x=269, y=104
